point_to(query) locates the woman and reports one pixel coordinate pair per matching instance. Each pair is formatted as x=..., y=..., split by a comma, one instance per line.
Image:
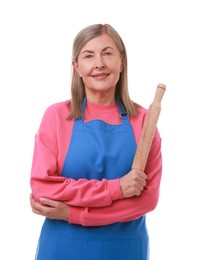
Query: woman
x=81, y=177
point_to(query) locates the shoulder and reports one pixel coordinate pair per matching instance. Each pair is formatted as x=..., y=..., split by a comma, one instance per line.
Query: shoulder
x=138, y=121
x=57, y=109
x=55, y=114
x=58, y=106
x=141, y=112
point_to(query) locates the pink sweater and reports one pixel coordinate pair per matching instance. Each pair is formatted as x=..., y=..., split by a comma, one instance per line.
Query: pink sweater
x=91, y=202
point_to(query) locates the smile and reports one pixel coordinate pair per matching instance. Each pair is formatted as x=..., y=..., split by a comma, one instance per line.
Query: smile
x=100, y=75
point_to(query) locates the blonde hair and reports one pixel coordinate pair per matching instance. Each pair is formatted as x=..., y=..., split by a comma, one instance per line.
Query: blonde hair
x=77, y=85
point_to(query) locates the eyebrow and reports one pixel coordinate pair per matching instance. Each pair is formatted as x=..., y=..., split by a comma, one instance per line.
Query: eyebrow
x=104, y=49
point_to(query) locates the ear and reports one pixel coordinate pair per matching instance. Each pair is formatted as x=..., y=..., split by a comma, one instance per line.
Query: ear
x=122, y=64
x=121, y=67
x=76, y=68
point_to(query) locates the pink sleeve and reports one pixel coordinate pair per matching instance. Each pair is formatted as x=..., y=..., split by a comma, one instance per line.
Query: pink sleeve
x=45, y=175
x=130, y=208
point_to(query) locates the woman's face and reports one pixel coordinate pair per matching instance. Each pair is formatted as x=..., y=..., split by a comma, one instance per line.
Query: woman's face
x=99, y=65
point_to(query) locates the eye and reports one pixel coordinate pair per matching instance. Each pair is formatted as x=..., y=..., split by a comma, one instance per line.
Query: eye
x=107, y=53
x=88, y=56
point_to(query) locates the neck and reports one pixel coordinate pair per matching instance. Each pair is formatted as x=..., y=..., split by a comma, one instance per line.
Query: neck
x=101, y=98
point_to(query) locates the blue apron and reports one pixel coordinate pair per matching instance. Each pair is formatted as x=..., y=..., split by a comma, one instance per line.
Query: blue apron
x=97, y=150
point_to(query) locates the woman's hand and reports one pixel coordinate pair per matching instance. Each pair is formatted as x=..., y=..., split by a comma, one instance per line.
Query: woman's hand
x=133, y=183
x=50, y=208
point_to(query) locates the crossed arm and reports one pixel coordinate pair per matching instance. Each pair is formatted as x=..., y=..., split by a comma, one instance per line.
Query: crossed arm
x=133, y=185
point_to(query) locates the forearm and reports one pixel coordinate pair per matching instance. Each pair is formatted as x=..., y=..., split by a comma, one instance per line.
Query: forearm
x=80, y=193
x=129, y=208
x=120, y=211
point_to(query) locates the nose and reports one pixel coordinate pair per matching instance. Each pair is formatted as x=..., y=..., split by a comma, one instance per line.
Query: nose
x=99, y=63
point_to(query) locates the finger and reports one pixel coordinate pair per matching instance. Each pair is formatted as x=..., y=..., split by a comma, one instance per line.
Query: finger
x=141, y=181
x=138, y=193
x=140, y=174
x=37, y=212
x=36, y=207
x=31, y=197
x=140, y=187
x=48, y=202
x=32, y=201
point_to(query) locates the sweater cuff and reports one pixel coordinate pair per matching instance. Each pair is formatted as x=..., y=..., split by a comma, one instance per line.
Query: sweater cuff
x=75, y=215
x=114, y=189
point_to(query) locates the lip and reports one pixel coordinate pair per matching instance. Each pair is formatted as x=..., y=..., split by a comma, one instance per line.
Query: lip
x=100, y=75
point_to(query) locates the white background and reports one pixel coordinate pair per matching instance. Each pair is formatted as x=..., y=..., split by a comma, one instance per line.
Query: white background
x=165, y=43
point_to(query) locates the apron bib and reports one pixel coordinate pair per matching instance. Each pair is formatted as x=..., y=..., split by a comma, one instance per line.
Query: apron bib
x=97, y=150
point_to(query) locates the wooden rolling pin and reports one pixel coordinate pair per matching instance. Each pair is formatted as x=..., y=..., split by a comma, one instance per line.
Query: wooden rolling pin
x=148, y=130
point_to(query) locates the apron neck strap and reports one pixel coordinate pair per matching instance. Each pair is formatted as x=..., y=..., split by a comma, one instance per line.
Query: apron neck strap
x=121, y=108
